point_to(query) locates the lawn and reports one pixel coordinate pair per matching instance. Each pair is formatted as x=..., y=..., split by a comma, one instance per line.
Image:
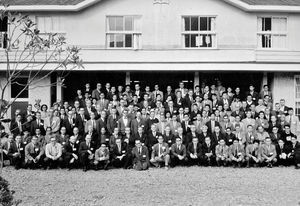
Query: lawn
x=177, y=186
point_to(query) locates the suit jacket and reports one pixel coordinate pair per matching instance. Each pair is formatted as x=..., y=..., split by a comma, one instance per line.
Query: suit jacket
x=32, y=151
x=34, y=126
x=262, y=94
x=185, y=127
x=170, y=139
x=151, y=139
x=236, y=151
x=83, y=148
x=15, y=129
x=115, y=152
x=208, y=149
x=294, y=123
x=282, y=150
x=199, y=125
x=96, y=94
x=175, y=151
x=229, y=138
x=191, y=149
x=164, y=150
x=189, y=137
x=247, y=122
x=70, y=149
x=263, y=123
x=90, y=123
x=135, y=124
x=80, y=123
x=68, y=125
x=14, y=149
x=100, y=123
x=55, y=124
x=161, y=126
x=122, y=125
x=268, y=151
x=112, y=123
x=251, y=151
x=103, y=104
x=222, y=151
x=155, y=93
x=174, y=127
x=215, y=138
x=250, y=137
x=140, y=157
x=209, y=125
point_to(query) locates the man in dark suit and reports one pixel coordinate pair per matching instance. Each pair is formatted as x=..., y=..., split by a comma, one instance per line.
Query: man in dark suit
x=112, y=121
x=124, y=122
x=169, y=93
x=178, y=153
x=189, y=136
x=212, y=123
x=282, y=151
x=185, y=124
x=141, y=135
x=119, y=154
x=189, y=99
x=80, y=121
x=17, y=153
x=96, y=93
x=253, y=93
x=194, y=152
x=179, y=101
x=217, y=135
x=224, y=100
x=152, y=138
x=71, y=156
x=140, y=156
x=86, y=153
x=16, y=127
x=101, y=122
x=69, y=123
x=208, y=152
x=37, y=123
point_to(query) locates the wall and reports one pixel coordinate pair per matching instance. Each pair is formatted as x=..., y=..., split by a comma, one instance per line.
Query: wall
x=284, y=88
x=40, y=90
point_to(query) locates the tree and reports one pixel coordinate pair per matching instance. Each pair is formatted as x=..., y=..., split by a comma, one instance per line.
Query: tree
x=32, y=53
x=29, y=52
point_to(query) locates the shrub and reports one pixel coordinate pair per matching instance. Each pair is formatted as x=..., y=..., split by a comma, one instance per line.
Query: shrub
x=6, y=195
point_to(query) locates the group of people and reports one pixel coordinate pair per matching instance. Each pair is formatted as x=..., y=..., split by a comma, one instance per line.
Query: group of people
x=123, y=128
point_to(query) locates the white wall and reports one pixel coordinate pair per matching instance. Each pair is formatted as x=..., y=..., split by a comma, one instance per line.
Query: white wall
x=40, y=90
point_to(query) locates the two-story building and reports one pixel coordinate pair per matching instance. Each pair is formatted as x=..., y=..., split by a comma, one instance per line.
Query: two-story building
x=240, y=42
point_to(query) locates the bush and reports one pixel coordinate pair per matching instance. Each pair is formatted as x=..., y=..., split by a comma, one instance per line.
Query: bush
x=6, y=195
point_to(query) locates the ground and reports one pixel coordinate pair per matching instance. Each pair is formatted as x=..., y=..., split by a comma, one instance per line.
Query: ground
x=177, y=186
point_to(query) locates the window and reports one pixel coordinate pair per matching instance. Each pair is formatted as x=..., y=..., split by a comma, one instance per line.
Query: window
x=199, y=32
x=49, y=24
x=123, y=32
x=297, y=95
x=17, y=86
x=272, y=32
x=3, y=32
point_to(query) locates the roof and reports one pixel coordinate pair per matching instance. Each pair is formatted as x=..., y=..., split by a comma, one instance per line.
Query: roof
x=273, y=2
x=76, y=5
x=40, y=2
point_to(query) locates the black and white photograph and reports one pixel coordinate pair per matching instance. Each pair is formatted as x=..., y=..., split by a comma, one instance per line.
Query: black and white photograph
x=149, y=102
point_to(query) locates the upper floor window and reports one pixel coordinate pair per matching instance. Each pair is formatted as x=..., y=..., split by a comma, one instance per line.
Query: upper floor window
x=3, y=32
x=199, y=32
x=272, y=32
x=123, y=32
x=49, y=24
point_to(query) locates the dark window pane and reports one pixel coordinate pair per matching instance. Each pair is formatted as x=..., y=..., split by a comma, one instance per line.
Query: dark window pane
x=194, y=24
x=119, y=24
x=267, y=24
x=193, y=40
x=128, y=23
x=187, y=23
x=18, y=86
x=203, y=24
x=128, y=40
x=3, y=24
x=187, y=40
x=209, y=23
x=266, y=41
x=119, y=40
x=111, y=40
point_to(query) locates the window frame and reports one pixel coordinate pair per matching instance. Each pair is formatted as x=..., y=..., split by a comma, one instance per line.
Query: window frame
x=3, y=33
x=183, y=33
x=136, y=34
x=272, y=33
x=62, y=32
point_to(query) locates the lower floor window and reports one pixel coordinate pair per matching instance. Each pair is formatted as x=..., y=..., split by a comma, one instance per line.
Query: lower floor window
x=199, y=40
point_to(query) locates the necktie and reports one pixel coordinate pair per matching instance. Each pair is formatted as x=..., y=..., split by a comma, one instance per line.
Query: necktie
x=38, y=122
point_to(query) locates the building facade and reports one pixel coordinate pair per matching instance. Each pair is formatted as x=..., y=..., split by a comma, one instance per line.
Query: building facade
x=240, y=42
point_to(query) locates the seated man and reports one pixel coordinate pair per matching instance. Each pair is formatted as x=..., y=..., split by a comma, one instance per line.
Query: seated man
x=222, y=153
x=178, y=153
x=194, y=152
x=268, y=153
x=101, y=157
x=294, y=152
x=86, y=152
x=282, y=151
x=119, y=154
x=5, y=148
x=71, y=158
x=208, y=152
x=53, y=153
x=236, y=153
x=140, y=155
x=253, y=156
x=160, y=153
x=17, y=153
x=33, y=153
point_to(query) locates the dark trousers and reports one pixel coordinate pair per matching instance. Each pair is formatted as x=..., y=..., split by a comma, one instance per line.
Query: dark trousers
x=192, y=161
x=140, y=165
x=84, y=160
x=34, y=165
x=67, y=163
x=18, y=162
x=53, y=163
x=208, y=161
x=175, y=161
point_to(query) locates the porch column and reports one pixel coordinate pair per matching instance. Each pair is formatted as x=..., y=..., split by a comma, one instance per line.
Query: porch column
x=59, y=92
x=196, y=79
x=127, y=78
